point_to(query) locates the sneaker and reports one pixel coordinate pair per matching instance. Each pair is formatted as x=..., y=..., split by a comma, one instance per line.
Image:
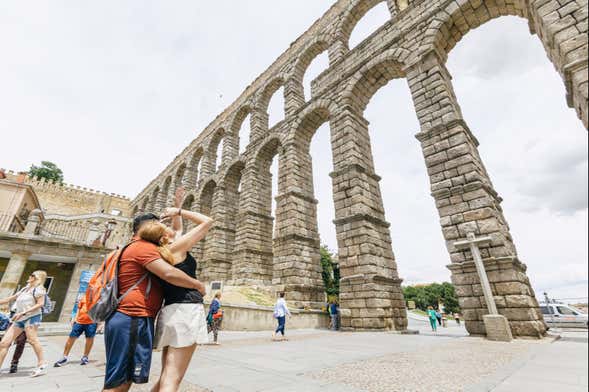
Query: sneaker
x=84, y=360
x=13, y=368
x=61, y=362
x=41, y=370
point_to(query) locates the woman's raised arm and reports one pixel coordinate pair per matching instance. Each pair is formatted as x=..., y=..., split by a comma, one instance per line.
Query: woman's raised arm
x=185, y=242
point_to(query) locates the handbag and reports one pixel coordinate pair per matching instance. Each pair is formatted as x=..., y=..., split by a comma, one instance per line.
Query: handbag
x=218, y=315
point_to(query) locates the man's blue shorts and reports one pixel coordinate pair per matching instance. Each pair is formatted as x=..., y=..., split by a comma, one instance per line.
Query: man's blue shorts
x=89, y=330
x=129, y=342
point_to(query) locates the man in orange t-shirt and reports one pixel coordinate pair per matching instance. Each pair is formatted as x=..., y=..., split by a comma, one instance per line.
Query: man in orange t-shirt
x=128, y=335
x=82, y=323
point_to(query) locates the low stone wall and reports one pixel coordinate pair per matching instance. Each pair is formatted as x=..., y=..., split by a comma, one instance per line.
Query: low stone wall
x=260, y=318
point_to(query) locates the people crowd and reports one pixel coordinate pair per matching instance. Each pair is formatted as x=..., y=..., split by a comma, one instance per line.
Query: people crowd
x=159, y=306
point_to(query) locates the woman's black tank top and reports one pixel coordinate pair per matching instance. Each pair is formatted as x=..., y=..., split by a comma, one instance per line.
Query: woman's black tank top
x=179, y=295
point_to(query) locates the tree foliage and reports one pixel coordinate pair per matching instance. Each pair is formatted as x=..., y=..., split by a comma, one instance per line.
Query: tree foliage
x=330, y=274
x=47, y=170
x=431, y=295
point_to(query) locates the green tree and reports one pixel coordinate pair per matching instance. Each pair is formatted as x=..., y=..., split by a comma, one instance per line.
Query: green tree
x=47, y=170
x=330, y=274
x=431, y=295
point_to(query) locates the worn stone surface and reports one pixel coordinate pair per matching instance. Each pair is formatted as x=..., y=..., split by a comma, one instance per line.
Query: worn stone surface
x=249, y=246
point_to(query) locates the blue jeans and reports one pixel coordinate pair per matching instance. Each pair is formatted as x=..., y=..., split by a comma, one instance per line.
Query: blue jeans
x=31, y=321
x=281, y=324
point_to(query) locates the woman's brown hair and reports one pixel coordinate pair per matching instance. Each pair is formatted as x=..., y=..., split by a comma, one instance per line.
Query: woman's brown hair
x=154, y=232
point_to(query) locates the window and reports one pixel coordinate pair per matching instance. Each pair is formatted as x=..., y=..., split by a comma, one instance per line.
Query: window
x=115, y=212
x=565, y=310
x=546, y=309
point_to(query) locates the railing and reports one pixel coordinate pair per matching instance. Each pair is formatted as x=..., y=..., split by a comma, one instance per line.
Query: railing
x=89, y=229
x=5, y=220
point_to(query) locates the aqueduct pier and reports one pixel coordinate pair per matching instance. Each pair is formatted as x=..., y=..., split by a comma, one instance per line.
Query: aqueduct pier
x=248, y=246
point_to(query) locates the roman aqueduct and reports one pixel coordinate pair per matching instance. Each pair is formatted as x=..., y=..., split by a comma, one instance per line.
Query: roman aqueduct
x=248, y=246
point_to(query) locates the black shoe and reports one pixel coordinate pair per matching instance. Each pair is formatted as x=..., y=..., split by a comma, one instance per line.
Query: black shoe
x=13, y=368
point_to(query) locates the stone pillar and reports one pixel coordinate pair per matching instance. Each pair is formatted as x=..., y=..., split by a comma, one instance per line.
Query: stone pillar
x=216, y=252
x=468, y=203
x=14, y=269
x=297, y=264
x=562, y=28
x=252, y=259
x=294, y=95
x=35, y=218
x=370, y=288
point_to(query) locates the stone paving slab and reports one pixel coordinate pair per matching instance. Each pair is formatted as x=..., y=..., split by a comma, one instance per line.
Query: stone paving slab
x=252, y=362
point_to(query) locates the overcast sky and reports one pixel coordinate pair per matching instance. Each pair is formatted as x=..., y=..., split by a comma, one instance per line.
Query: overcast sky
x=112, y=91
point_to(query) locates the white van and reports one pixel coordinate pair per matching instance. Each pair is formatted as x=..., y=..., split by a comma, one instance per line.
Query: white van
x=563, y=315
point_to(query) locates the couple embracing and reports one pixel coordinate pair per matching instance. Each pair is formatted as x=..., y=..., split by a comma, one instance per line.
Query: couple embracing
x=154, y=268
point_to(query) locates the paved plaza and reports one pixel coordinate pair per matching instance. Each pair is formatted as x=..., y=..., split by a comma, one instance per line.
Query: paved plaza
x=320, y=360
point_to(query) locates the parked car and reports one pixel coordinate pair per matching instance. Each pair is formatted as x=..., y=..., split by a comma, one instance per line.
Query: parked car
x=563, y=315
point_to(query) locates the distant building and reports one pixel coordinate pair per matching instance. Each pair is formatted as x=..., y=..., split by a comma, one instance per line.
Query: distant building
x=59, y=228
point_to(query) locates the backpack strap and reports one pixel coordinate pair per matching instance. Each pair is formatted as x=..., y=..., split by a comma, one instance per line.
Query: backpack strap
x=145, y=275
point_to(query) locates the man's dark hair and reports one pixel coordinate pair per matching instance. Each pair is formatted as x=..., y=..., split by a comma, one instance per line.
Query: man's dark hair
x=282, y=294
x=139, y=219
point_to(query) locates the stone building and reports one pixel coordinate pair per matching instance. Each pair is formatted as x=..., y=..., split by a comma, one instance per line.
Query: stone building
x=249, y=246
x=70, y=236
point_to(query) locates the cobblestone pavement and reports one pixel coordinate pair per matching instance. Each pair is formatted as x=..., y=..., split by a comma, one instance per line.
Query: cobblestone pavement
x=319, y=360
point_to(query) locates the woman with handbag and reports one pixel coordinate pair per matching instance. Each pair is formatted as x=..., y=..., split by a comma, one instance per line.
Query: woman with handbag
x=29, y=304
x=215, y=317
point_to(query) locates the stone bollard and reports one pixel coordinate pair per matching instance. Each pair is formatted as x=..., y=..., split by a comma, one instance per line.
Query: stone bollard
x=497, y=328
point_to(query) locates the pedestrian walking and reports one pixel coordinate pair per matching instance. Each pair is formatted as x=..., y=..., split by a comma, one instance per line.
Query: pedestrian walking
x=129, y=331
x=280, y=313
x=19, y=345
x=432, y=318
x=82, y=324
x=457, y=318
x=29, y=304
x=439, y=317
x=333, y=314
x=215, y=317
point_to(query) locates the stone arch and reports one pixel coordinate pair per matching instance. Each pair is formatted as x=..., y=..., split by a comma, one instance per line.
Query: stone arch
x=164, y=195
x=266, y=153
x=154, y=197
x=260, y=113
x=212, y=151
x=309, y=120
x=205, y=196
x=135, y=211
x=374, y=75
x=295, y=94
x=192, y=174
x=145, y=204
x=236, y=124
x=354, y=14
x=179, y=176
x=462, y=16
x=188, y=202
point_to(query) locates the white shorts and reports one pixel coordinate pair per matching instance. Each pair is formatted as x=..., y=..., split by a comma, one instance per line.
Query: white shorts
x=181, y=325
